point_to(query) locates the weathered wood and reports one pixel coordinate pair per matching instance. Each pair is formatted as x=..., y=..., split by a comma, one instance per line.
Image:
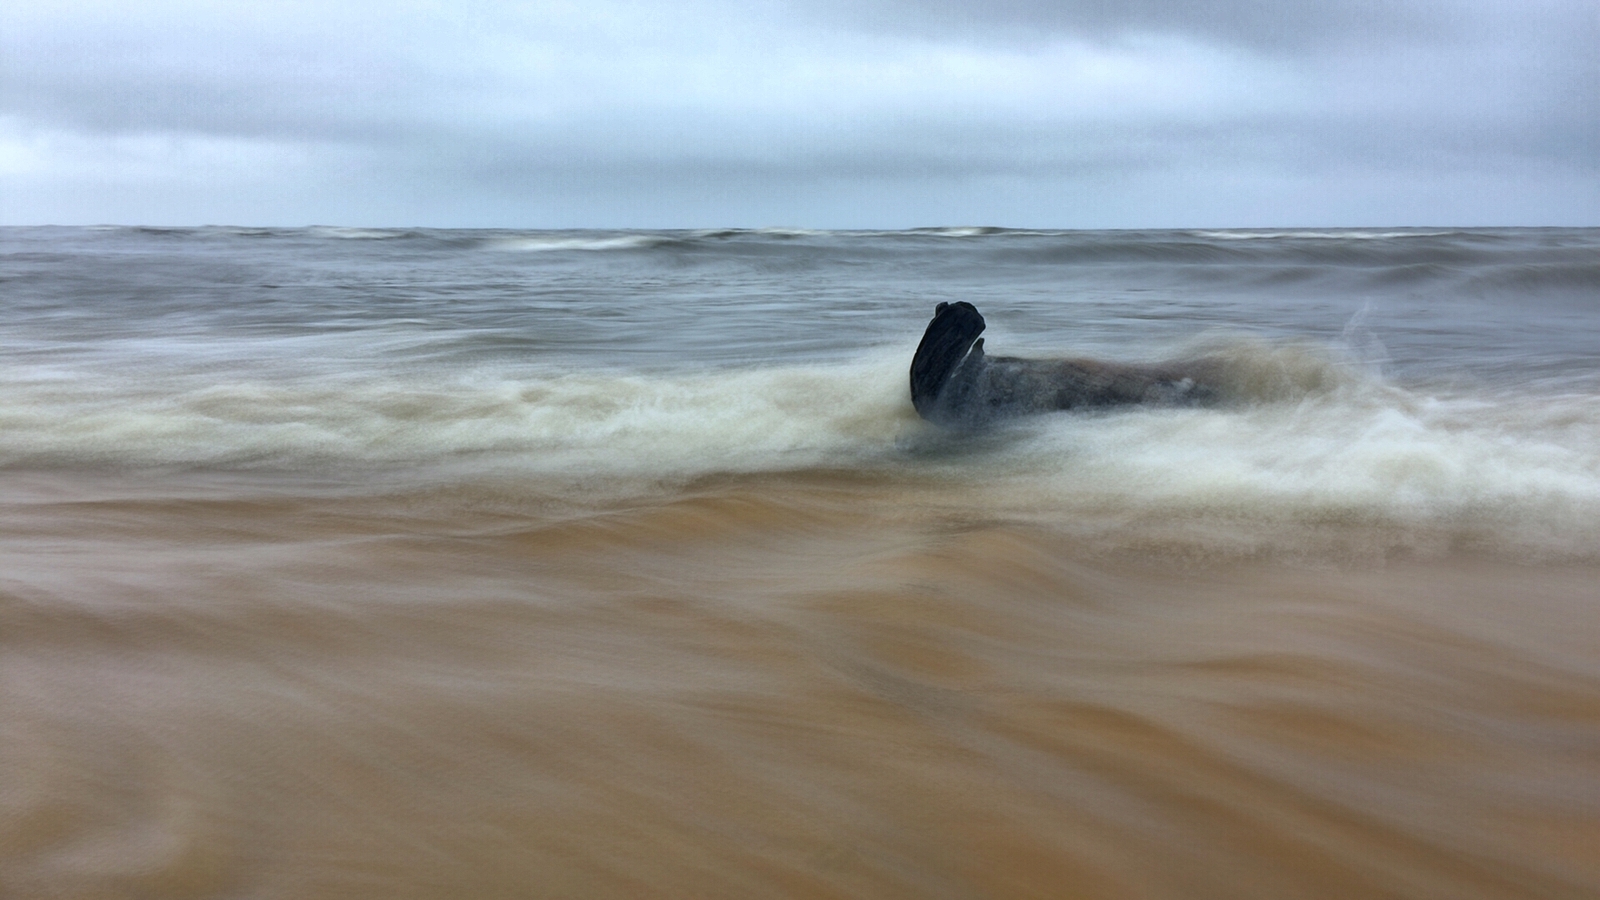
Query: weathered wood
x=945, y=344
x=954, y=382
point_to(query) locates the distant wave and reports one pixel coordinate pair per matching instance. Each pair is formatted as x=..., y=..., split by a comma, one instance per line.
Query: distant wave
x=1319, y=235
x=361, y=234
x=595, y=243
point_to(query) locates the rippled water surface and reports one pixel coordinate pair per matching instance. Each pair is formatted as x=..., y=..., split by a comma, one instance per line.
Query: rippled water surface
x=386, y=563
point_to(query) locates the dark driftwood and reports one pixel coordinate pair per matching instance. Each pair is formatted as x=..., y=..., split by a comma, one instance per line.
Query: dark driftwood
x=954, y=382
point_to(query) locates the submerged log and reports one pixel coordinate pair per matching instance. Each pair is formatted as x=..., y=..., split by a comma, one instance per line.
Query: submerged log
x=954, y=382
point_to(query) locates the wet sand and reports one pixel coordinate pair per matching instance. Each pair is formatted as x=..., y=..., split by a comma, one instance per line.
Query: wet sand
x=802, y=686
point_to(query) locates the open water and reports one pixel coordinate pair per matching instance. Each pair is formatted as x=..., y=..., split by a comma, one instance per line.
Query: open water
x=430, y=563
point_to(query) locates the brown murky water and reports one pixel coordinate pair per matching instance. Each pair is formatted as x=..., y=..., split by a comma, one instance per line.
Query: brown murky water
x=788, y=686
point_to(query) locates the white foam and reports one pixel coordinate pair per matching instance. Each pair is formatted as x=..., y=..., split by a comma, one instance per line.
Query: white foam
x=1341, y=234
x=597, y=422
x=547, y=244
x=788, y=231
x=962, y=231
x=345, y=233
x=1524, y=472
x=1317, y=445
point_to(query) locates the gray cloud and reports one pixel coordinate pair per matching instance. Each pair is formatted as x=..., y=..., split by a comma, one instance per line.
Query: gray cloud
x=1265, y=25
x=822, y=113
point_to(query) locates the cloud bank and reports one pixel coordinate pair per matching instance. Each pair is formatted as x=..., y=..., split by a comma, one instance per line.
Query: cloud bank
x=825, y=114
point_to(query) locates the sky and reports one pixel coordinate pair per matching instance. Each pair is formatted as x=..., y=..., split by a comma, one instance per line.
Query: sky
x=820, y=114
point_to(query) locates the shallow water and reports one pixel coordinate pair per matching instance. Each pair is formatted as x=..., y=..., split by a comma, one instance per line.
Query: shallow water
x=340, y=563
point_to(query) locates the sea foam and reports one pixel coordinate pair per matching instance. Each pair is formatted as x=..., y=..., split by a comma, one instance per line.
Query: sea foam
x=1306, y=438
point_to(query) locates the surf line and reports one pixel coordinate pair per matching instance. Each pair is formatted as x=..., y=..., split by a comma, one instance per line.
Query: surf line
x=954, y=383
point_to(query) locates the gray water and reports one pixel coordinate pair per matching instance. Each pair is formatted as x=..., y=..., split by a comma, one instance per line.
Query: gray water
x=1510, y=305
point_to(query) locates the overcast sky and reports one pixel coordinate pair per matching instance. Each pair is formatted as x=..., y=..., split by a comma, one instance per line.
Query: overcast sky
x=829, y=113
